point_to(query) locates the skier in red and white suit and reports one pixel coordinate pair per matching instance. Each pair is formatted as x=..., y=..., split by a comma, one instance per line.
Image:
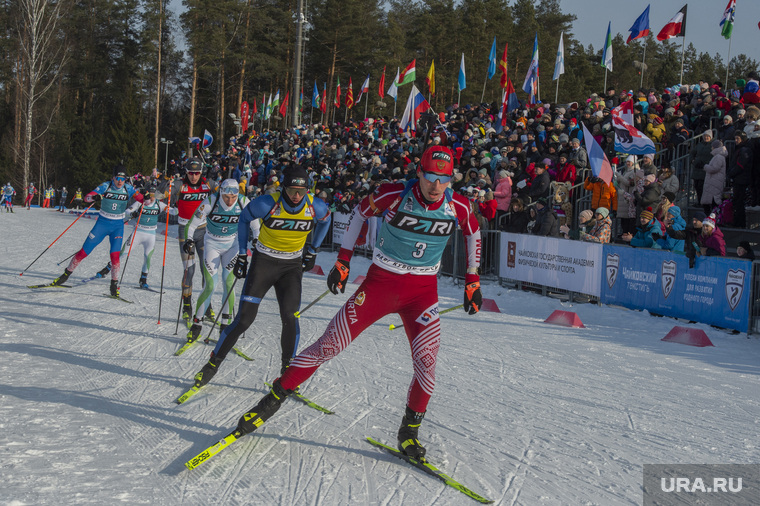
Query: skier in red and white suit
x=418, y=218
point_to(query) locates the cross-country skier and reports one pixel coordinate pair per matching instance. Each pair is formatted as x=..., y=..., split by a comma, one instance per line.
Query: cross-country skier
x=279, y=259
x=186, y=198
x=62, y=200
x=418, y=218
x=145, y=230
x=114, y=196
x=8, y=194
x=31, y=191
x=221, y=216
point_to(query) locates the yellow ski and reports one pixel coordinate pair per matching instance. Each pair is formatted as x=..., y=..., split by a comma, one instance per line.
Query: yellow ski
x=213, y=449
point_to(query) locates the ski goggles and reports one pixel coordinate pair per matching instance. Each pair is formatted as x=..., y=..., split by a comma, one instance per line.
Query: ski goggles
x=293, y=191
x=120, y=179
x=432, y=177
x=229, y=190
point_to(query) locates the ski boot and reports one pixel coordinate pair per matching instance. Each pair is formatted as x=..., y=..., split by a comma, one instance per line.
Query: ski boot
x=62, y=278
x=285, y=365
x=187, y=309
x=104, y=271
x=264, y=410
x=114, y=288
x=224, y=323
x=408, y=443
x=195, y=331
x=208, y=371
x=210, y=315
x=144, y=280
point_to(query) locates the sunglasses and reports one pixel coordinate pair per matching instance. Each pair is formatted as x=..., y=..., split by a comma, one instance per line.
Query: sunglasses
x=230, y=190
x=436, y=177
x=193, y=173
x=293, y=191
x=120, y=179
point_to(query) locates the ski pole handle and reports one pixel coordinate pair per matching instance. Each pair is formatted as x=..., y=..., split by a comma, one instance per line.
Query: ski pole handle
x=299, y=313
x=391, y=326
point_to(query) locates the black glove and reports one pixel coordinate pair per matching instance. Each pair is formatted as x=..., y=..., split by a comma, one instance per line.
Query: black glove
x=97, y=197
x=338, y=277
x=309, y=258
x=189, y=247
x=241, y=266
x=473, y=298
x=135, y=214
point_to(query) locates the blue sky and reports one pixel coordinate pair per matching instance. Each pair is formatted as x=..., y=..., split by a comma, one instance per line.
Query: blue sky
x=702, y=22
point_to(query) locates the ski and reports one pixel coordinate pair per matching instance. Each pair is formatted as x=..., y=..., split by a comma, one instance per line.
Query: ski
x=308, y=402
x=185, y=347
x=430, y=469
x=118, y=297
x=49, y=285
x=214, y=449
x=234, y=348
x=148, y=289
x=93, y=278
x=192, y=391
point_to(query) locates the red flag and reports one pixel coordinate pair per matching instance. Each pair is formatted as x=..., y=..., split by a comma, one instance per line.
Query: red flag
x=244, y=116
x=284, y=105
x=323, y=103
x=255, y=107
x=381, y=89
x=350, y=94
x=503, y=66
x=676, y=27
x=337, y=94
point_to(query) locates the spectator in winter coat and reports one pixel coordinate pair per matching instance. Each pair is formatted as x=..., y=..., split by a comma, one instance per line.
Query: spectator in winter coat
x=565, y=170
x=503, y=193
x=578, y=156
x=486, y=208
x=602, y=230
x=668, y=180
x=648, y=225
x=649, y=195
x=547, y=223
x=602, y=194
x=700, y=156
x=626, y=180
x=744, y=250
x=540, y=187
x=517, y=221
x=711, y=241
x=585, y=222
x=655, y=130
x=715, y=177
x=740, y=173
x=647, y=165
x=726, y=130
x=672, y=221
x=666, y=202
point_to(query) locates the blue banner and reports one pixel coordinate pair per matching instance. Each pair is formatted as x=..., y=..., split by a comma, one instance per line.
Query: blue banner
x=715, y=291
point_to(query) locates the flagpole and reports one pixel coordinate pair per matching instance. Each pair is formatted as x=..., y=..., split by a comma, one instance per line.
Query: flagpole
x=683, y=45
x=556, y=93
x=366, y=102
x=484, y=89
x=728, y=61
x=643, y=63
x=605, y=79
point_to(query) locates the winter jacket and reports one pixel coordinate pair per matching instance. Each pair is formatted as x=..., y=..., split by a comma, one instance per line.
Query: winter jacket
x=700, y=156
x=626, y=182
x=715, y=243
x=740, y=169
x=566, y=174
x=547, y=223
x=715, y=177
x=643, y=237
x=670, y=184
x=540, y=186
x=600, y=233
x=517, y=222
x=603, y=194
x=649, y=196
x=668, y=242
x=655, y=132
x=503, y=193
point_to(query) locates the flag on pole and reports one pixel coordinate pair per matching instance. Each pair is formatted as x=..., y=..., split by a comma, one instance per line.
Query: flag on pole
x=300, y=100
x=462, y=81
x=393, y=90
x=284, y=106
x=415, y=106
x=559, y=64
x=629, y=139
x=607, y=54
x=430, y=79
x=244, y=116
x=337, y=94
x=275, y=103
x=503, y=66
x=676, y=27
x=323, y=102
x=350, y=93
x=365, y=89
x=408, y=75
x=255, y=108
x=381, y=87
x=640, y=27
x=530, y=86
x=268, y=111
x=315, y=96
x=492, y=60
x=512, y=102
x=600, y=165
x=727, y=23
x=207, y=139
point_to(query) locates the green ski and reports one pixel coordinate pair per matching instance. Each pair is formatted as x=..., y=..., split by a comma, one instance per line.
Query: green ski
x=214, y=449
x=308, y=402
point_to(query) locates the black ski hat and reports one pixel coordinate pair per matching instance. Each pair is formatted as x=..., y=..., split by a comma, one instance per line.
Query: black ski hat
x=119, y=171
x=295, y=175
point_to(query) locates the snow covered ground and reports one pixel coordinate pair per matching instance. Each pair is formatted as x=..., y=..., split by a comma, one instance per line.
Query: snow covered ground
x=523, y=413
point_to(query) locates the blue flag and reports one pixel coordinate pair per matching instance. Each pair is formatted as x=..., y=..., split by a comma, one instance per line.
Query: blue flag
x=315, y=96
x=462, y=76
x=492, y=60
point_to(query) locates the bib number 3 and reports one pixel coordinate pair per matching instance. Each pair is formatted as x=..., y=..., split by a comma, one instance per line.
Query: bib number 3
x=421, y=246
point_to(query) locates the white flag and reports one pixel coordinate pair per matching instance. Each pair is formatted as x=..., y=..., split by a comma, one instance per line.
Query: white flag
x=559, y=65
x=393, y=90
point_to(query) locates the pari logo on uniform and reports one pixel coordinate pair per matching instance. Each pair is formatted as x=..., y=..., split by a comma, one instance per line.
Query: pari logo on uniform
x=613, y=266
x=668, y=277
x=428, y=316
x=734, y=287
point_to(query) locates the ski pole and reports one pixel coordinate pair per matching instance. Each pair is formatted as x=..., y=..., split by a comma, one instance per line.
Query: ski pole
x=67, y=228
x=299, y=313
x=163, y=264
x=134, y=233
x=224, y=304
x=391, y=327
x=59, y=263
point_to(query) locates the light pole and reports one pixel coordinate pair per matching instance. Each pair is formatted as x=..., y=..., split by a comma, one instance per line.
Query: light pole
x=166, y=156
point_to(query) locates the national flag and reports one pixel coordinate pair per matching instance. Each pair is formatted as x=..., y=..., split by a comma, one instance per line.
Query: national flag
x=503, y=66
x=600, y=165
x=337, y=94
x=430, y=79
x=629, y=139
x=512, y=101
x=244, y=116
x=676, y=27
x=350, y=94
x=275, y=103
x=323, y=102
x=559, y=64
x=492, y=60
x=284, y=107
x=393, y=90
x=300, y=100
x=408, y=75
x=727, y=23
x=530, y=86
x=607, y=53
x=365, y=89
x=315, y=96
x=381, y=87
x=462, y=81
x=207, y=139
x=268, y=112
x=195, y=141
x=255, y=108
x=640, y=27
x=415, y=106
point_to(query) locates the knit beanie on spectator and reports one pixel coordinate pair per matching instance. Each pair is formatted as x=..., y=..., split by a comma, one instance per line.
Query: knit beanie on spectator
x=503, y=174
x=716, y=144
x=709, y=221
x=657, y=120
x=699, y=216
x=651, y=178
x=647, y=214
x=603, y=211
x=585, y=215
